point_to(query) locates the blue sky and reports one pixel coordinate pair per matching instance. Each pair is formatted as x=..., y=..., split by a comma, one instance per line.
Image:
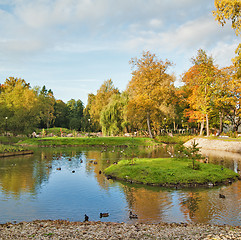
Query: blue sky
x=73, y=46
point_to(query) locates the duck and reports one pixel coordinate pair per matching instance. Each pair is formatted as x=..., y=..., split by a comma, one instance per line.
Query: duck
x=206, y=160
x=86, y=218
x=59, y=168
x=132, y=215
x=221, y=195
x=73, y=171
x=104, y=215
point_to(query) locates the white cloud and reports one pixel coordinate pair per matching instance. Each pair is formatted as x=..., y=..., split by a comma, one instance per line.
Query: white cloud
x=224, y=52
x=69, y=38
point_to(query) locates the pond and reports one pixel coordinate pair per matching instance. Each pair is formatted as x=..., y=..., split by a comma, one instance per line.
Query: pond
x=33, y=187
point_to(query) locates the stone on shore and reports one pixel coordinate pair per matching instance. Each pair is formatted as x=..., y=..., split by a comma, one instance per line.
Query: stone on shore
x=59, y=229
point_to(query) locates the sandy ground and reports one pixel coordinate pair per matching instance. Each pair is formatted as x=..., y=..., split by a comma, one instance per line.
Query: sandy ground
x=221, y=145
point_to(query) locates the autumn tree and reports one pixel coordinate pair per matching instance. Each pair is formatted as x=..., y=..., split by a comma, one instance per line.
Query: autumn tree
x=150, y=91
x=100, y=100
x=230, y=10
x=230, y=99
x=200, y=80
x=18, y=104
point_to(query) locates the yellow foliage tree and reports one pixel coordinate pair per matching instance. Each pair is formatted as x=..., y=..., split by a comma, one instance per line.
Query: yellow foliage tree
x=201, y=82
x=20, y=105
x=150, y=91
x=230, y=10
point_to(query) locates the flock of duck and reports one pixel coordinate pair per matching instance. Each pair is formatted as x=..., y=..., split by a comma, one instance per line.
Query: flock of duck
x=69, y=159
x=131, y=216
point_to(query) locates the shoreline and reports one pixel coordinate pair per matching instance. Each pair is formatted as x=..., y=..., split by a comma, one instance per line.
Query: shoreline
x=61, y=229
x=208, y=184
x=216, y=144
x=17, y=153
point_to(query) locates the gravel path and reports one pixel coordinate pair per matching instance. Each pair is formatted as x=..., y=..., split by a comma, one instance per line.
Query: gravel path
x=213, y=144
x=99, y=230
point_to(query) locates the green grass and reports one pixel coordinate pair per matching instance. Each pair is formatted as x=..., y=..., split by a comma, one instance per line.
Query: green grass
x=11, y=140
x=168, y=172
x=88, y=141
x=176, y=139
x=56, y=131
x=10, y=148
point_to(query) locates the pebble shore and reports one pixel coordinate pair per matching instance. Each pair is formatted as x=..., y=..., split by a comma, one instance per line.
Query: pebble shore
x=59, y=229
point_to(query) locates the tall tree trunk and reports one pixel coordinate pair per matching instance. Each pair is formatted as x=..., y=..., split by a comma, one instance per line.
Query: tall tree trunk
x=148, y=125
x=221, y=122
x=201, y=127
x=207, y=124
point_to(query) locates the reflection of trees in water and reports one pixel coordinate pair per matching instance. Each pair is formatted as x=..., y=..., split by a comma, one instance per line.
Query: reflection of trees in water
x=23, y=174
x=191, y=202
x=226, y=159
x=205, y=205
x=104, y=157
x=148, y=204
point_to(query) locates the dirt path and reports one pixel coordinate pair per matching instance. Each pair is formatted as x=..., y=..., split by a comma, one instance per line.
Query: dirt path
x=216, y=144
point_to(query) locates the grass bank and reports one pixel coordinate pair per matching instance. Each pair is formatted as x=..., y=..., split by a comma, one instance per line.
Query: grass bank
x=169, y=172
x=11, y=148
x=176, y=139
x=89, y=141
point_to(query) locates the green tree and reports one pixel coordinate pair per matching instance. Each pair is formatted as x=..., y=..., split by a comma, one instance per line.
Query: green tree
x=150, y=91
x=113, y=117
x=46, y=107
x=75, y=113
x=61, y=114
x=100, y=100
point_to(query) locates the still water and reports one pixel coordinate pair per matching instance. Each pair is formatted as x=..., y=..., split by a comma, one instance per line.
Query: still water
x=32, y=188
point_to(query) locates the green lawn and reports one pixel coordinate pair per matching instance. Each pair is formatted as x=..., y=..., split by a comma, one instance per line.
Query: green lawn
x=90, y=141
x=168, y=171
x=176, y=139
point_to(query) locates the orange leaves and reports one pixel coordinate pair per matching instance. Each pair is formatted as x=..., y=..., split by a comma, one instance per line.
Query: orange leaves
x=150, y=87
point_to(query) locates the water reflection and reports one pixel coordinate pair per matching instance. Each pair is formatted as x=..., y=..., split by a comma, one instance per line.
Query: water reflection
x=22, y=174
x=227, y=159
x=31, y=188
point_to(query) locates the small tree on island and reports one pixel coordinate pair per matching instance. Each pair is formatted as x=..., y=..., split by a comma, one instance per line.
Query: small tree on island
x=191, y=152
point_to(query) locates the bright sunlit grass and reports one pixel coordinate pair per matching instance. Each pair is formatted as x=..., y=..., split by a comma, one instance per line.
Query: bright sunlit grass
x=89, y=141
x=168, y=172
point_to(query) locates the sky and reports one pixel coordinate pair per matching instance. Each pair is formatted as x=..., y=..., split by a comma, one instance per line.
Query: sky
x=73, y=46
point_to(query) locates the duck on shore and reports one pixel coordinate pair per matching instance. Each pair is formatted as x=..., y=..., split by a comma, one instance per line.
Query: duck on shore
x=86, y=218
x=132, y=215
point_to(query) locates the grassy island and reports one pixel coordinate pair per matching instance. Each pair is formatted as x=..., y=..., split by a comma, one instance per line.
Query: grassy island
x=89, y=141
x=169, y=172
x=9, y=150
